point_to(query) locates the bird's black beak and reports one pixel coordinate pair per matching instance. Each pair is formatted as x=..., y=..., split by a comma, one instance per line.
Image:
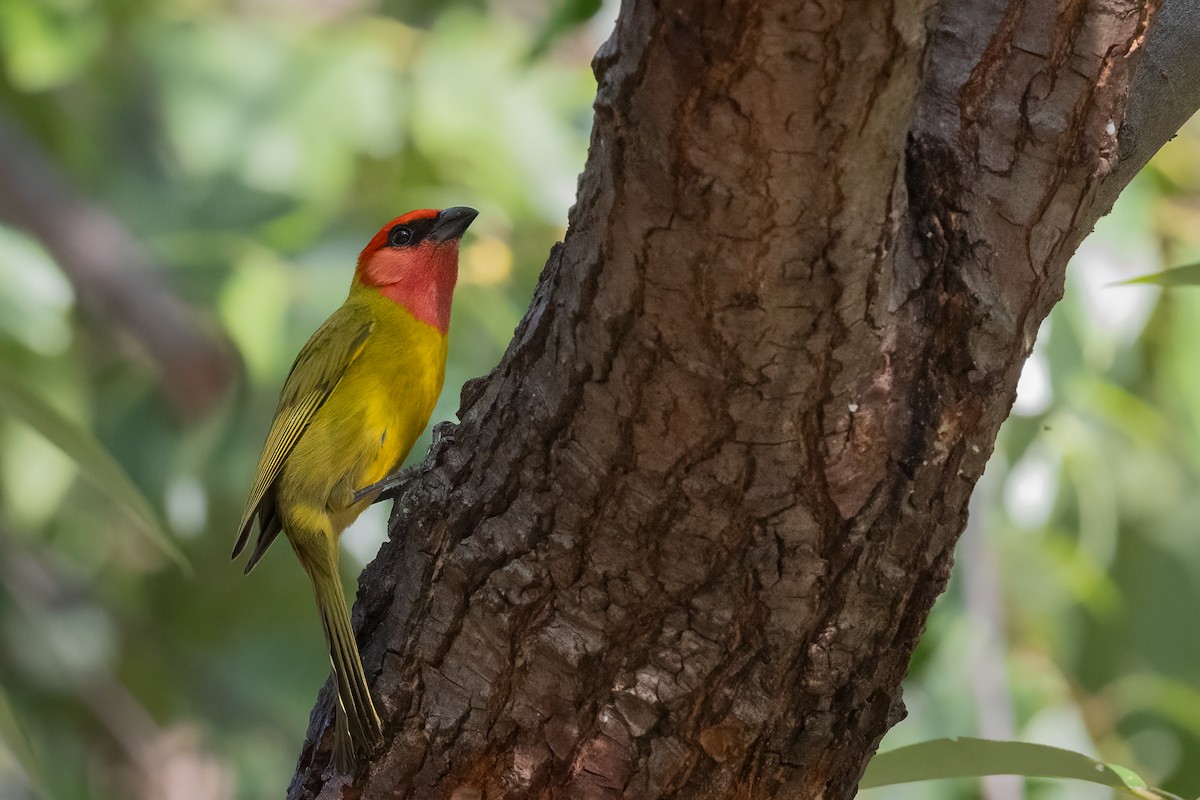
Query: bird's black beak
x=451, y=223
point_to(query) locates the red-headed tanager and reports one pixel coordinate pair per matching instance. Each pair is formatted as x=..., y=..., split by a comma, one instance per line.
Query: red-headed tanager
x=360, y=393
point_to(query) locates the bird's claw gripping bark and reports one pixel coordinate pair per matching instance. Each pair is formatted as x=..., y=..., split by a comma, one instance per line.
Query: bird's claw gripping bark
x=387, y=488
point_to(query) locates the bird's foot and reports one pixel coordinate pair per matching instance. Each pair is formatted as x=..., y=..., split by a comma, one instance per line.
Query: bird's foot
x=387, y=488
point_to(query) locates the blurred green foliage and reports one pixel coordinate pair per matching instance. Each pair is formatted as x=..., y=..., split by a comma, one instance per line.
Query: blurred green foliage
x=253, y=147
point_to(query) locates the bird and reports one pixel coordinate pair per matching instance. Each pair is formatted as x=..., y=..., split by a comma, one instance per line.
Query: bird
x=357, y=397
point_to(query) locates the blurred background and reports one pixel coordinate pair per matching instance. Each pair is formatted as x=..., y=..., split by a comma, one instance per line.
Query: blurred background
x=184, y=185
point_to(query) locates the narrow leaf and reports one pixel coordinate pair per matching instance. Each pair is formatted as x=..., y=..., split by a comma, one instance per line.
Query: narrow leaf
x=14, y=739
x=95, y=463
x=975, y=758
x=1187, y=275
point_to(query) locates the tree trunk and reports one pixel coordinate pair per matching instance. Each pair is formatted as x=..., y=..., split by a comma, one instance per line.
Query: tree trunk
x=688, y=531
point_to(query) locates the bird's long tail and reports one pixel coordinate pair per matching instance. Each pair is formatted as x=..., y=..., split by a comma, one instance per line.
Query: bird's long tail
x=356, y=725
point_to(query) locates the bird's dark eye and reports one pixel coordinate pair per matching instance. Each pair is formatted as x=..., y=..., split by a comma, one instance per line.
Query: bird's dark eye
x=399, y=236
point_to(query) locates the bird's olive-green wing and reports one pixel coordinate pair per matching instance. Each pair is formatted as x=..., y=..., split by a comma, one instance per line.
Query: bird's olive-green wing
x=318, y=368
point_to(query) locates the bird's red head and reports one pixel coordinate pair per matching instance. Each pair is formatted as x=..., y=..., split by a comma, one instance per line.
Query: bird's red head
x=413, y=260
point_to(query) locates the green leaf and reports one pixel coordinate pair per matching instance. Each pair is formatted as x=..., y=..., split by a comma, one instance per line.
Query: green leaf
x=1187, y=275
x=16, y=741
x=95, y=463
x=975, y=758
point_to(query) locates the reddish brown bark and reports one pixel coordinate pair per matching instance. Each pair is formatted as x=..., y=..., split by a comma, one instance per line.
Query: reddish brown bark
x=688, y=531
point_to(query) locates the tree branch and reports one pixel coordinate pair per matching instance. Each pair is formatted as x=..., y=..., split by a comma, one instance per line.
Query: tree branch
x=112, y=277
x=1165, y=92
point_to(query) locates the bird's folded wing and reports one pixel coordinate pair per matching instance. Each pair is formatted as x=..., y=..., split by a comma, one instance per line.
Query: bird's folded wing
x=317, y=371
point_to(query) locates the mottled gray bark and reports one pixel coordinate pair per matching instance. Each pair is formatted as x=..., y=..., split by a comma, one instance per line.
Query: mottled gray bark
x=687, y=534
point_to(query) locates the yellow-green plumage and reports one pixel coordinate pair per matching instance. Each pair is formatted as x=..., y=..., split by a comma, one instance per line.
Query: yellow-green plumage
x=358, y=396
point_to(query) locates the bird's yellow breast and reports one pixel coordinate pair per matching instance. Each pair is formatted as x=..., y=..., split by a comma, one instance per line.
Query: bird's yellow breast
x=368, y=424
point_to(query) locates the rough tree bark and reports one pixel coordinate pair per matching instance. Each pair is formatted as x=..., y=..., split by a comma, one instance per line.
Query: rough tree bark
x=688, y=531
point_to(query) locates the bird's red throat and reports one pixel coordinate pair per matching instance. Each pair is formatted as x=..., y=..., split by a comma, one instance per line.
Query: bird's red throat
x=421, y=279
